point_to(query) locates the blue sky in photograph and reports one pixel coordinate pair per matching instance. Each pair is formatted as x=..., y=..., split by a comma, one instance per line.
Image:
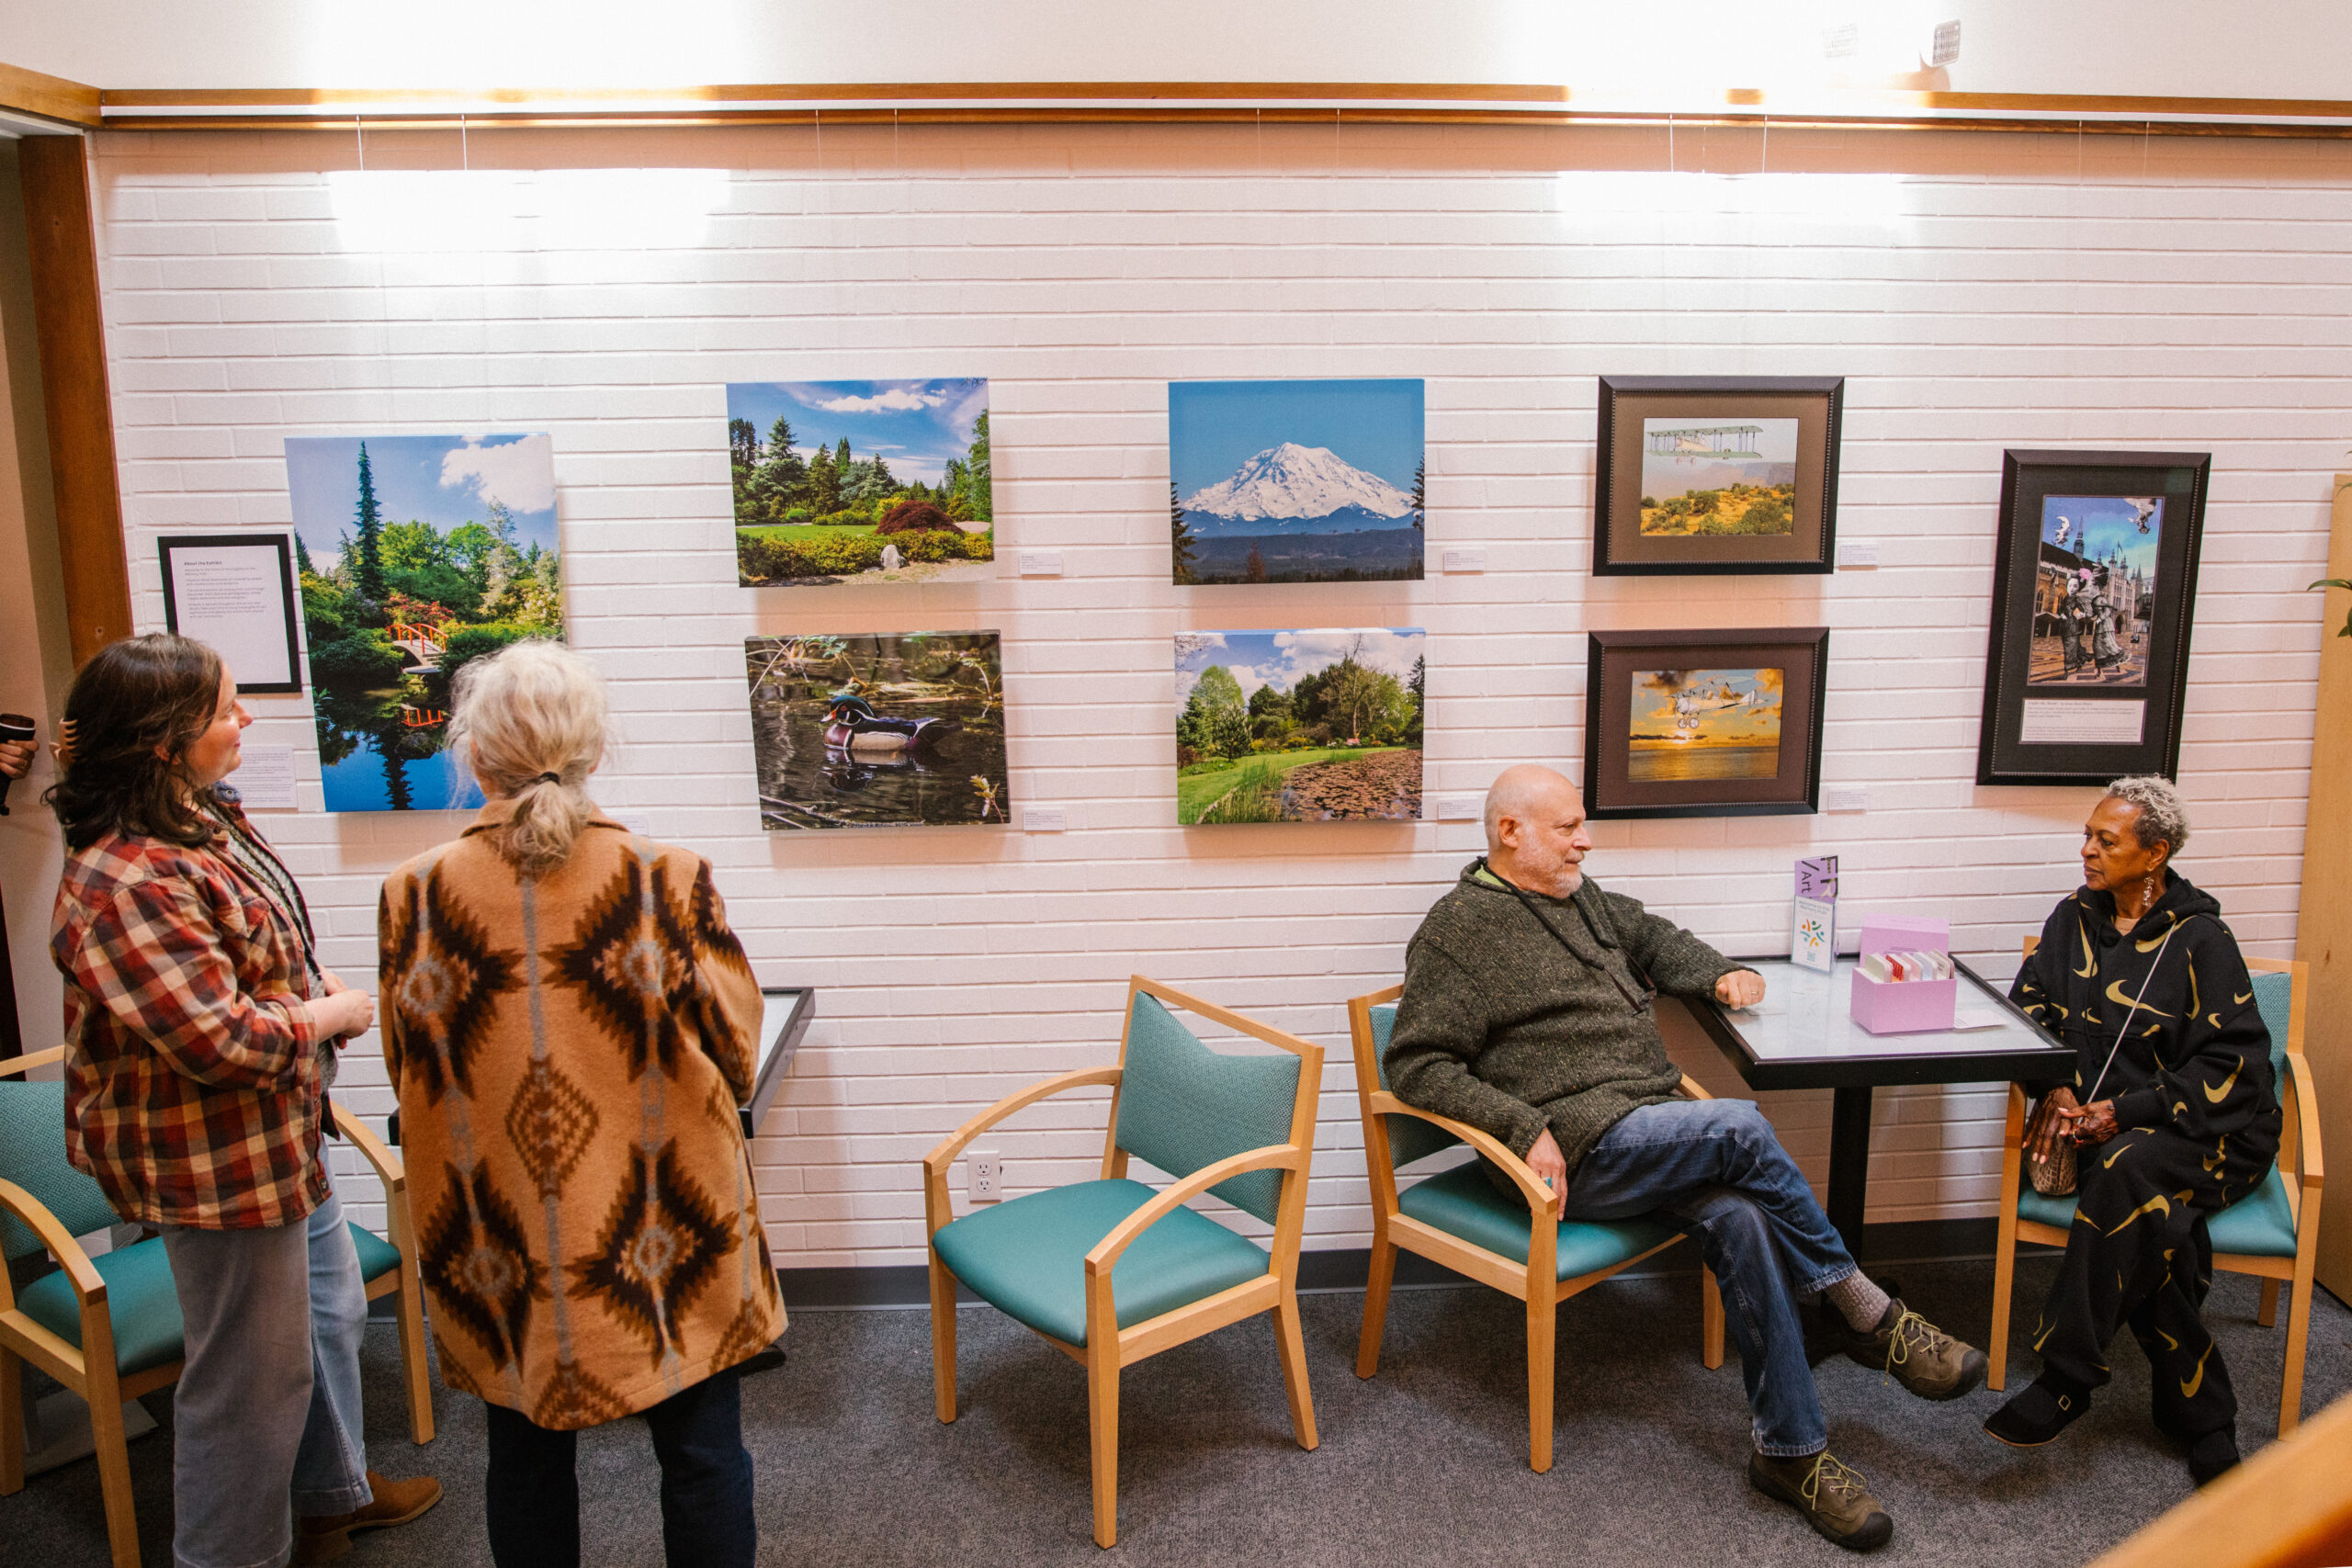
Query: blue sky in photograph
x=1281, y=658
x=446, y=480
x=916, y=425
x=2112, y=523
x=1214, y=427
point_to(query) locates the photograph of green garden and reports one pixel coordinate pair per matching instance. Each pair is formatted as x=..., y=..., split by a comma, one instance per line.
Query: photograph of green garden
x=868, y=481
x=415, y=554
x=1314, y=725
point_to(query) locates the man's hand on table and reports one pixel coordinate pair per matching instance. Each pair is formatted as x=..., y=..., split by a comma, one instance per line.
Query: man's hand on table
x=1740, y=988
x=1551, y=1168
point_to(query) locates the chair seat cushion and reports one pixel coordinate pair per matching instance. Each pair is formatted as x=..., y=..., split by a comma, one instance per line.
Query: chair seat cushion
x=1028, y=1257
x=378, y=1256
x=2258, y=1225
x=141, y=1306
x=1462, y=1202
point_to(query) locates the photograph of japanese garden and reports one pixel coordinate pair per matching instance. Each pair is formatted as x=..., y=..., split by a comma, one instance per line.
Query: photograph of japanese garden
x=904, y=729
x=1296, y=481
x=415, y=554
x=1719, y=476
x=861, y=482
x=1315, y=726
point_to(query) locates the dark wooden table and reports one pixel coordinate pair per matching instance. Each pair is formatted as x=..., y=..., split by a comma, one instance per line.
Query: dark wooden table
x=1801, y=1036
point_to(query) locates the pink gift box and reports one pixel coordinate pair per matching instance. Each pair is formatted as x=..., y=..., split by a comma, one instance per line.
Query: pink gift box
x=1905, y=1007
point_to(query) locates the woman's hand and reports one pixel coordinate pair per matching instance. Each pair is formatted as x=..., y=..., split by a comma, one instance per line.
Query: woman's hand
x=2091, y=1125
x=2042, y=1134
x=342, y=1015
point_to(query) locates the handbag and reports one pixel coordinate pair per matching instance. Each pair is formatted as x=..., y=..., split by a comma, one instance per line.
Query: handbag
x=2057, y=1178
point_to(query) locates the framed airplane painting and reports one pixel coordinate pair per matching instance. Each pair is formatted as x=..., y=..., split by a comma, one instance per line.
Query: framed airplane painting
x=2094, y=579
x=1724, y=722
x=1713, y=475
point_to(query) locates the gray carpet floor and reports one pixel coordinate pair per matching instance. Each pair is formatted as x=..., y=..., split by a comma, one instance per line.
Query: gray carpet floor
x=1426, y=1463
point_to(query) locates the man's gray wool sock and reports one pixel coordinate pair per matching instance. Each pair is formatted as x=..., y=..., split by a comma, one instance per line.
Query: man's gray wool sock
x=1859, y=1303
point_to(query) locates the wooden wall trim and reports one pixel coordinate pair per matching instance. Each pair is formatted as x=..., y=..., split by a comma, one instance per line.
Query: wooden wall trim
x=62, y=245
x=1062, y=102
x=2323, y=915
x=51, y=97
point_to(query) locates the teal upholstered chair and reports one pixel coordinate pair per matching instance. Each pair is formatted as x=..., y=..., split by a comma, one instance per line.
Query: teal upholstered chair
x=1109, y=1271
x=1457, y=1218
x=106, y=1327
x=2272, y=1233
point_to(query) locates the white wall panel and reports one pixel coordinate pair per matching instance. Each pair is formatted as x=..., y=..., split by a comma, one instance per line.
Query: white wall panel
x=1977, y=292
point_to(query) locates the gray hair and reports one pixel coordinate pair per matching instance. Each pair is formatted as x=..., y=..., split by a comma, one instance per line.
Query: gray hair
x=2162, y=818
x=532, y=709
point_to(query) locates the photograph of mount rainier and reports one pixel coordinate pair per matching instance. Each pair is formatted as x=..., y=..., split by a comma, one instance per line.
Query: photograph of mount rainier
x=1296, y=481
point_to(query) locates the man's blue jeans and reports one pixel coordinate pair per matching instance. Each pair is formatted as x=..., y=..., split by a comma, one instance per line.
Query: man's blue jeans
x=1718, y=1163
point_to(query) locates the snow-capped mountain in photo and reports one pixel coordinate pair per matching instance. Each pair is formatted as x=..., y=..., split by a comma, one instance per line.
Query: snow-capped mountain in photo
x=1294, y=489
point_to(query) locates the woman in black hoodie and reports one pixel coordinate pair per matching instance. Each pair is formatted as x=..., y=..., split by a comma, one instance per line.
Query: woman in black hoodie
x=2174, y=1115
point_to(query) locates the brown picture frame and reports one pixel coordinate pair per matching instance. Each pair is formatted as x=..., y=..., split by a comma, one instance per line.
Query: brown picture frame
x=1619, y=547
x=1801, y=653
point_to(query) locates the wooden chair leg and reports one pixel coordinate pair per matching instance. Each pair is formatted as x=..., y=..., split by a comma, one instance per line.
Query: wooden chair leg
x=943, y=1338
x=1376, y=1306
x=2004, y=1265
x=1102, y=1415
x=1293, y=1345
x=2299, y=1327
x=416, y=1371
x=114, y=1470
x=1711, y=1320
x=2267, y=1313
x=1542, y=1316
x=12, y=1424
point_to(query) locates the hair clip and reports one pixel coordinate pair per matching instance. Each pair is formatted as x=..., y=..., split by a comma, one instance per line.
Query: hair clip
x=61, y=749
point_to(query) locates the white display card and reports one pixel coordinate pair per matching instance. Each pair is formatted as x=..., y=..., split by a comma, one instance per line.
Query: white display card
x=265, y=779
x=2048, y=722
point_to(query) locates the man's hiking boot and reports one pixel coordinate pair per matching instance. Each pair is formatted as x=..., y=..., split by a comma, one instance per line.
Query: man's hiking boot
x=1917, y=1354
x=1832, y=1498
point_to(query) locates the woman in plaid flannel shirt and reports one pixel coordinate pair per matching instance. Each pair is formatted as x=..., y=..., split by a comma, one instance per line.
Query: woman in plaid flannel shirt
x=197, y=1024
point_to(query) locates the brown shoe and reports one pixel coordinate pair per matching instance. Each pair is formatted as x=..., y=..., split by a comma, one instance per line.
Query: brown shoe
x=1917, y=1354
x=1832, y=1498
x=326, y=1537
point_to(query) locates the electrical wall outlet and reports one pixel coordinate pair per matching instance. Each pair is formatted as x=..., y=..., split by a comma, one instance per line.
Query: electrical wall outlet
x=983, y=1175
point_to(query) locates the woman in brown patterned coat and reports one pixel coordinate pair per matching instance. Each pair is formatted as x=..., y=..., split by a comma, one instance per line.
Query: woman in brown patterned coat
x=570, y=1026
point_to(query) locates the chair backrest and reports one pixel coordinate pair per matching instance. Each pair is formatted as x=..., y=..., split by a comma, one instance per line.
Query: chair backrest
x=1409, y=1137
x=32, y=1155
x=2274, y=997
x=1183, y=1106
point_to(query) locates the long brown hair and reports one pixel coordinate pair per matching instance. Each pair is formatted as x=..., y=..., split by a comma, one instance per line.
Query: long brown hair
x=131, y=698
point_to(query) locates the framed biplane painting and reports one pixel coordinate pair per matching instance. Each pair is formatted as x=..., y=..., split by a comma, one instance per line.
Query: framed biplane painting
x=1716, y=475
x=1719, y=723
x=2094, y=579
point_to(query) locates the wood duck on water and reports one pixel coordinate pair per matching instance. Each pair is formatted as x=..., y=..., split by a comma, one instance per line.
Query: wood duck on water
x=853, y=726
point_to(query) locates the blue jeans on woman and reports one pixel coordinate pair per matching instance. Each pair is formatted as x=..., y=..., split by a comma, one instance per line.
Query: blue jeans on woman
x=267, y=1406
x=1717, y=1165
x=532, y=1490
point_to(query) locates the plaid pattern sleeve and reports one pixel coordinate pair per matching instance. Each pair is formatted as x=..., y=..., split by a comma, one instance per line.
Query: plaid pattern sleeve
x=192, y=1086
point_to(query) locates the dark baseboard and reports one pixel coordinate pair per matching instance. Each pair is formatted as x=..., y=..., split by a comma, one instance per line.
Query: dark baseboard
x=1345, y=1269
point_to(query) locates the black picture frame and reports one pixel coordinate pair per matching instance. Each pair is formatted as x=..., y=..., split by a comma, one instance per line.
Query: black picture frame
x=1619, y=547
x=1611, y=786
x=2118, y=604
x=169, y=545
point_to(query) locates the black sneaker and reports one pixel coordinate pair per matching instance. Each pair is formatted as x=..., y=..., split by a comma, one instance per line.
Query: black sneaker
x=2035, y=1416
x=1832, y=1498
x=2213, y=1455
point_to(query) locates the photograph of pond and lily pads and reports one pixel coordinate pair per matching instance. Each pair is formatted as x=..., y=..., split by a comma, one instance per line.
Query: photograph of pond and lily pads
x=861, y=482
x=415, y=554
x=892, y=730
x=1314, y=725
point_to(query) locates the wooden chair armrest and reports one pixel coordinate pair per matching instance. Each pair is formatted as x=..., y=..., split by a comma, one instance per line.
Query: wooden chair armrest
x=1538, y=1196
x=2306, y=1108
x=14, y=1064
x=1690, y=1089
x=936, y=1162
x=1284, y=1156
x=389, y=1170
x=88, y=1286
x=2013, y=1126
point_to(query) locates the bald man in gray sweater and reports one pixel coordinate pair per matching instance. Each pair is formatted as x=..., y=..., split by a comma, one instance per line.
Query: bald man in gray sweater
x=1528, y=1013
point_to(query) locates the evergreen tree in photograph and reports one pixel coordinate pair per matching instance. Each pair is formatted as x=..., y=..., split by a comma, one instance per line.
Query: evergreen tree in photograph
x=1420, y=492
x=368, y=567
x=1214, y=723
x=302, y=558
x=742, y=460
x=1180, y=538
x=782, y=482
x=824, y=489
x=975, y=475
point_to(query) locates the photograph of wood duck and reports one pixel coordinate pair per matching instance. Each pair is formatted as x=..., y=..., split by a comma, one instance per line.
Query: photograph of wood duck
x=898, y=731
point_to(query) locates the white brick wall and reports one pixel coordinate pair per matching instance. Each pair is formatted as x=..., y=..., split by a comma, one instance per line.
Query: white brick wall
x=1978, y=292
